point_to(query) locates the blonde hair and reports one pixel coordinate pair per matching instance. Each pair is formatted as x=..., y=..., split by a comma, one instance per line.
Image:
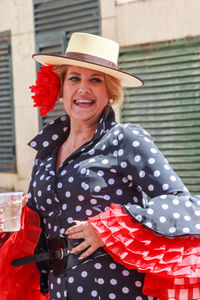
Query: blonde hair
x=60, y=72
x=114, y=87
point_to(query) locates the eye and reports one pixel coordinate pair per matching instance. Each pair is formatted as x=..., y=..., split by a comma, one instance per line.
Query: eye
x=74, y=78
x=96, y=80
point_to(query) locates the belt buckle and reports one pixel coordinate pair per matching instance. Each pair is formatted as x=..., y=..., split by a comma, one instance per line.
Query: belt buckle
x=61, y=253
x=58, y=260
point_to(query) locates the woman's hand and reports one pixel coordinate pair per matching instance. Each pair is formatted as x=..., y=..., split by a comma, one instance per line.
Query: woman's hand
x=2, y=216
x=83, y=230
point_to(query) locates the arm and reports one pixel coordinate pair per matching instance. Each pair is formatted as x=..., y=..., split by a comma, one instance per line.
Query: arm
x=31, y=201
x=171, y=211
x=139, y=246
x=170, y=206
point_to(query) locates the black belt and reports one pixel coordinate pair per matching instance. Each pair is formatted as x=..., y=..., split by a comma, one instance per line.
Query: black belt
x=59, y=255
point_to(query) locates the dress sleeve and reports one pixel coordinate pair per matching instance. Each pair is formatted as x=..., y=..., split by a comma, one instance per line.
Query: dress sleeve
x=160, y=237
x=171, y=210
x=172, y=265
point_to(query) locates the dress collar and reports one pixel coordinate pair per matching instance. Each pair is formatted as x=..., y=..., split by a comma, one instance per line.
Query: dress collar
x=56, y=132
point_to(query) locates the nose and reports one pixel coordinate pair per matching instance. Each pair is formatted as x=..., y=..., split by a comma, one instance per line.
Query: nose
x=84, y=88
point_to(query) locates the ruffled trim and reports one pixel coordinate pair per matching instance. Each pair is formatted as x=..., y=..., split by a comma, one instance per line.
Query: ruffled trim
x=177, y=260
x=21, y=282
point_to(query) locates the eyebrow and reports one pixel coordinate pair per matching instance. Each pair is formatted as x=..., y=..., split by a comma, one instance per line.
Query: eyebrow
x=97, y=75
x=74, y=73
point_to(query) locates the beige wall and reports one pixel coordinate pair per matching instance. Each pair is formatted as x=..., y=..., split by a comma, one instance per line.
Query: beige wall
x=17, y=16
x=157, y=20
x=146, y=21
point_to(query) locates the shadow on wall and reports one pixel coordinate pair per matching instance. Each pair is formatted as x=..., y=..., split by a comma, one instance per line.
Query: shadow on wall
x=3, y=190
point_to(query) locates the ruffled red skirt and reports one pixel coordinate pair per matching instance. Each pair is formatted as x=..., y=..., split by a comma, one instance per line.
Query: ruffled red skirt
x=21, y=283
x=172, y=265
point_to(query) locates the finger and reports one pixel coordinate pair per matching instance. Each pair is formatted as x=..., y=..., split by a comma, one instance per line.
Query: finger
x=72, y=230
x=76, y=228
x=82, y=246
x=2, y=217
x=76, y=235
x=1, y=228
x=2, y=220
x=77, y=221
x=24, y=200
x=87, y=253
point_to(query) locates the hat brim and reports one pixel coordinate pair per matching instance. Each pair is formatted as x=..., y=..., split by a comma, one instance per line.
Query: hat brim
x=126, y=79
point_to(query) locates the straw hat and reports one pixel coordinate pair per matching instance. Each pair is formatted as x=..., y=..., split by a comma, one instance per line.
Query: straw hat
x=92, y=52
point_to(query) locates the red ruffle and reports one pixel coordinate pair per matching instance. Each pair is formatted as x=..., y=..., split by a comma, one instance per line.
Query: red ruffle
x=22, y=282
x=173, y=261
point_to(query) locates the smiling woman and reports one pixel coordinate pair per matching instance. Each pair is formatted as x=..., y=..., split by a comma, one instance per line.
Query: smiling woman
x=100, y=238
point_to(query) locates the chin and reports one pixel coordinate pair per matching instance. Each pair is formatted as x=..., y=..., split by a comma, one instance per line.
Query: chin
x=86, y=116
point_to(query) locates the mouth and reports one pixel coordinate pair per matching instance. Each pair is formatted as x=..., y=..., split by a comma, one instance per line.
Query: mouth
x=83, y=102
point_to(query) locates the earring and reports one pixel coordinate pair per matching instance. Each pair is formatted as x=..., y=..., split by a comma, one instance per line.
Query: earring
x=61, y=100
x=110, y=101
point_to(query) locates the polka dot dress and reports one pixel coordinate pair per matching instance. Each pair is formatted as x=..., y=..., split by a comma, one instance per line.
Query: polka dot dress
x=99, y=279
x=119, y=165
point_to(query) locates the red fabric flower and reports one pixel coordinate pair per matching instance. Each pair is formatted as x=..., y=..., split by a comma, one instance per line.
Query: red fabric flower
x=46, y=90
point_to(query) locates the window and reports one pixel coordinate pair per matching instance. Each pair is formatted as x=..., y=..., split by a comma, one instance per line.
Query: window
x=7, y=140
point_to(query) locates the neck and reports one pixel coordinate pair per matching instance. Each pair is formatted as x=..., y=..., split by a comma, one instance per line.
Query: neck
x=81, y=133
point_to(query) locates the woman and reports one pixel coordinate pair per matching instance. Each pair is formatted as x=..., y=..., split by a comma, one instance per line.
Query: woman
x=86, y=161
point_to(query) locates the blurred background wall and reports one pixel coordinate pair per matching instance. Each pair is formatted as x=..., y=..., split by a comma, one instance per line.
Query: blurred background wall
x=160, y=42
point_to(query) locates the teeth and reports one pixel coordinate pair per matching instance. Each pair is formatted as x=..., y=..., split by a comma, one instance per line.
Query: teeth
x=84, y=101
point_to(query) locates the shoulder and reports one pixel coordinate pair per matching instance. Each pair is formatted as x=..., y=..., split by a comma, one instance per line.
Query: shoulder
x=129, y=131
x=133, y=138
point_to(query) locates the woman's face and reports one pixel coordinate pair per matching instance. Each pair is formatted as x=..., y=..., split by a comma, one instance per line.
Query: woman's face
x=85, y=94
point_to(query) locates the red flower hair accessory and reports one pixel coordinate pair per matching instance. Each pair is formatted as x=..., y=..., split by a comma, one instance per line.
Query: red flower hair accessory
x=46, y=90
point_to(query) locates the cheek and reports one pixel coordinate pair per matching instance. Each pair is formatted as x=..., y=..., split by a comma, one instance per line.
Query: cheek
x=65, y=90
x=67, y=93
x=103, y=94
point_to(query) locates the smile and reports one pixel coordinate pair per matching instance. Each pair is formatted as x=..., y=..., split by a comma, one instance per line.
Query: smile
x=83, y=101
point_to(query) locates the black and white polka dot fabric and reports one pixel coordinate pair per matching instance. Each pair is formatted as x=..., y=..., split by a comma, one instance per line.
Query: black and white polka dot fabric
x=119, y=165
x=101, y=278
